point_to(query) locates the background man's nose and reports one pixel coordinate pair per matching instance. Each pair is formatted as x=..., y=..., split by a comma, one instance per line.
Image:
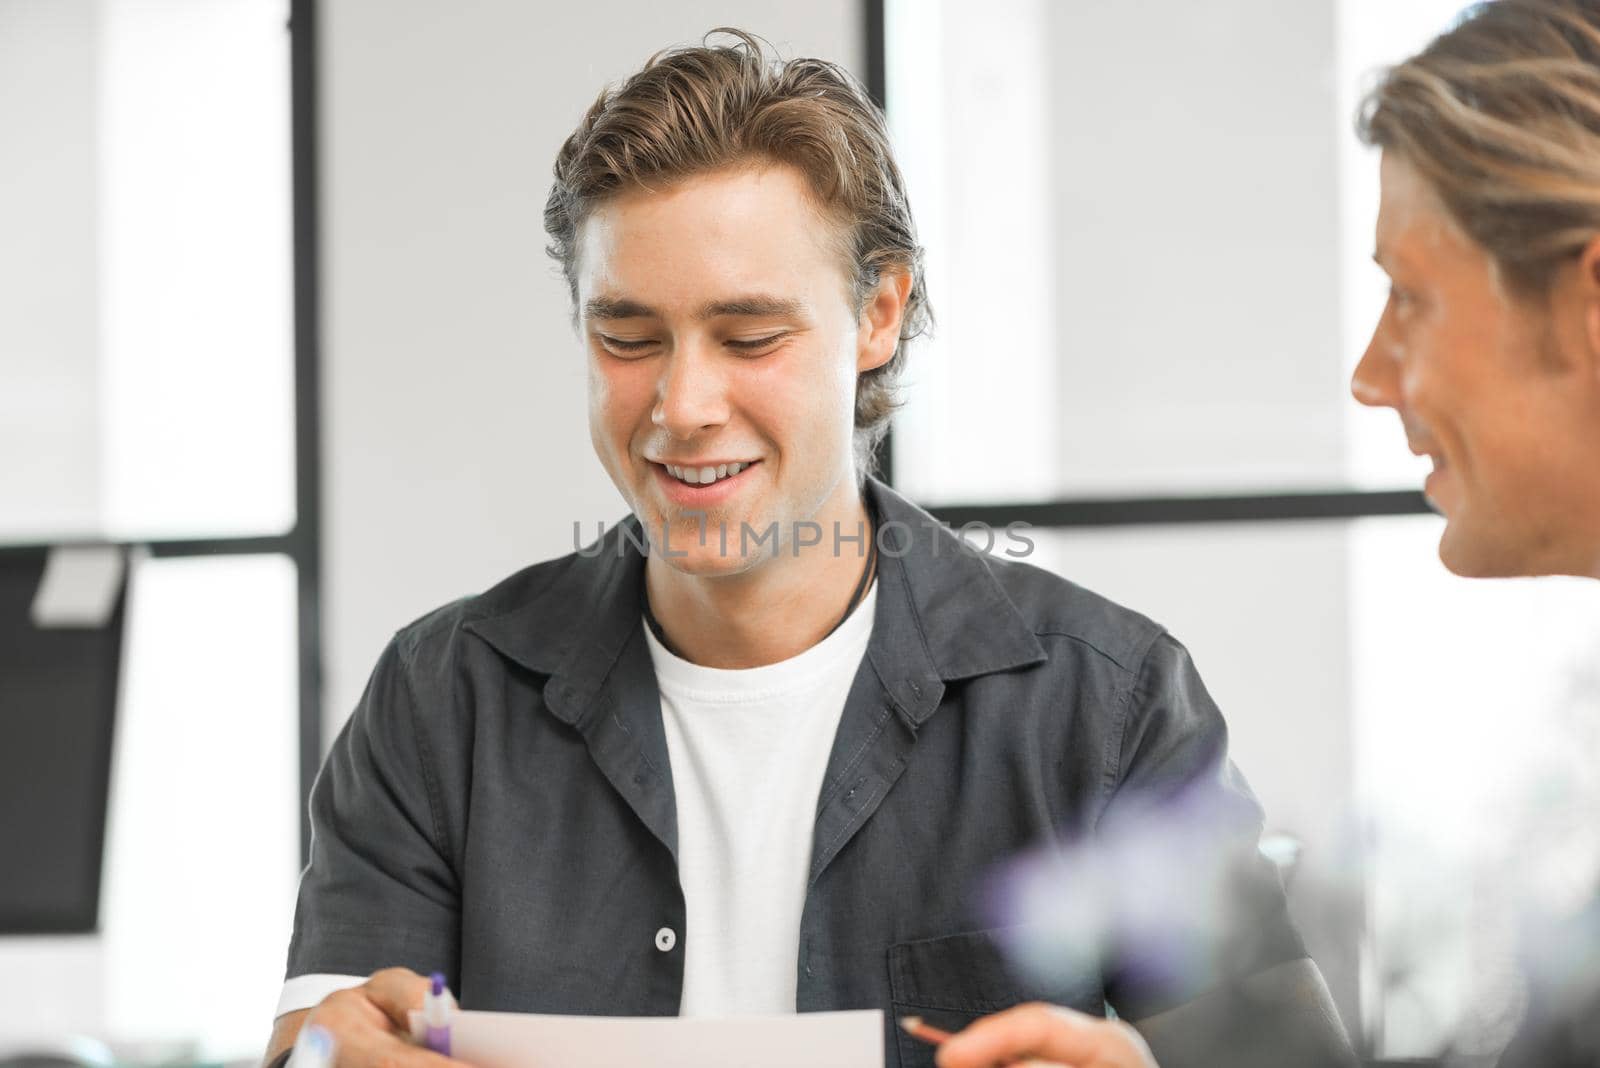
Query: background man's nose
x=1376, y=379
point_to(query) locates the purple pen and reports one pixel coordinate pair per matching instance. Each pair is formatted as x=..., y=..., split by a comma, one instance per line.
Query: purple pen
x=436, y=1015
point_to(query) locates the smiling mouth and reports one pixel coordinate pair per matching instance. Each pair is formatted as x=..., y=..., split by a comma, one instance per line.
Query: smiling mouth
x=1435, y=483
x=1432, y=454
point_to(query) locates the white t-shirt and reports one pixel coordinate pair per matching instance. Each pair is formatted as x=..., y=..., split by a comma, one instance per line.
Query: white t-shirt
x=748, y=749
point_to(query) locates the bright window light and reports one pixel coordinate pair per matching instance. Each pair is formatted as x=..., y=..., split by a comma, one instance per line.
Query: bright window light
x=203, y=842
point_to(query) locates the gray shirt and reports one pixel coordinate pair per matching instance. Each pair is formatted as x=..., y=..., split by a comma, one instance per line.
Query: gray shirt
x=500, y=807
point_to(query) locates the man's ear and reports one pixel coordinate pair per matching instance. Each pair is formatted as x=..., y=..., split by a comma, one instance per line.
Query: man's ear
x=1589, y=294
x=881, y=317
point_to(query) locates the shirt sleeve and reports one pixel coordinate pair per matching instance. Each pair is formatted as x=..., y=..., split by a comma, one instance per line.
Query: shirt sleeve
x=1196, y=903
x=380, y=890
x=307, y=991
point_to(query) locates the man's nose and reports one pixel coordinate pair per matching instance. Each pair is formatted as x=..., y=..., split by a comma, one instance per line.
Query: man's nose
x=1376, y=381
x=692, y=395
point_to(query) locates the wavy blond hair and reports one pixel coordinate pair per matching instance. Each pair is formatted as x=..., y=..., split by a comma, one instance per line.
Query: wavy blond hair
x=699, y=109
x=1501, y=115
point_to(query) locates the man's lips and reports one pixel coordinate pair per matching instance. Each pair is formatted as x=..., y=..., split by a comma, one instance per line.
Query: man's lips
x=693, y=495
x=1435, y=486
x=1421, y=446
x=1434, y=455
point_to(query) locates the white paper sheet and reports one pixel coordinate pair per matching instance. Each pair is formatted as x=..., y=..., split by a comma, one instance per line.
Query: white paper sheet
x=806, y=1040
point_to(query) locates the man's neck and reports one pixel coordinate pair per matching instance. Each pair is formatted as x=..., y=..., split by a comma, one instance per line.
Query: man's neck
x=774, y=611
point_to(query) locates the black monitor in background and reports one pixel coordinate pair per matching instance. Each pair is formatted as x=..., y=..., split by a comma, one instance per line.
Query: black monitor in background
x=58, y=697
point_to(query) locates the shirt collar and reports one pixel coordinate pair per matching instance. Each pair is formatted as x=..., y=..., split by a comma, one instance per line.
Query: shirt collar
x=964, y=617
x=941, y=613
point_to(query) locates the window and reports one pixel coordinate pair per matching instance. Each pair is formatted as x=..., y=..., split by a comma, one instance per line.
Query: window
x=157, y=354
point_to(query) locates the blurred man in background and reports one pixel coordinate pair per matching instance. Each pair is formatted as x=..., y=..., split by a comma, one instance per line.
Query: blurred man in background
x=1489, y=346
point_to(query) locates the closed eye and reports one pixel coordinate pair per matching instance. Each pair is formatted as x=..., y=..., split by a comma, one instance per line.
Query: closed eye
x=622, y=347
x=757, y=344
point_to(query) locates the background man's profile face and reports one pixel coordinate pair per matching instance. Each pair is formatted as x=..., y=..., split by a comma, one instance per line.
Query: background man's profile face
x=720, y=330
x=1486, y=383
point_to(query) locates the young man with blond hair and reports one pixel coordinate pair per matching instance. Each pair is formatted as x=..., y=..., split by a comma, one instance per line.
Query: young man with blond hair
x=756, y=749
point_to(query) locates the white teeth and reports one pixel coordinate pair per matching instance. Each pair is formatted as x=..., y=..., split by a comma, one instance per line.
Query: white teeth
x=704, y=476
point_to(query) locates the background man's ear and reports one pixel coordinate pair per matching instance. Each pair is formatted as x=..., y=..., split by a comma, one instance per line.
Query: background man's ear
x=1589, y=288
x=880, y=320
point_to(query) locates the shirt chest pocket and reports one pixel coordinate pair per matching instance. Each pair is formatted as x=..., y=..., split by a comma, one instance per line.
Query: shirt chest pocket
x=954, y=980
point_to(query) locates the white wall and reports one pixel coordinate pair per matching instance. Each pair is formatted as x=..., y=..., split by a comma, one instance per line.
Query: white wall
x=1198, y=235
x=456, y=441
x=1134, y=210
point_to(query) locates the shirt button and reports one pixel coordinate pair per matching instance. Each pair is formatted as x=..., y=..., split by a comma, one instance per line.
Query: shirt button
x=666, y=938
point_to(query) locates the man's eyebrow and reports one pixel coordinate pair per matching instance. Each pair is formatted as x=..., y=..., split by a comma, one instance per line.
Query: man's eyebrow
x=755, y=306
x=611, y=308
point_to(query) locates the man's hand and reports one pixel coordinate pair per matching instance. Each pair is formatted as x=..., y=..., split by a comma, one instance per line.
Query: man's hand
x=1047, y=1033
x=369, y=1024
x=1282, y=1015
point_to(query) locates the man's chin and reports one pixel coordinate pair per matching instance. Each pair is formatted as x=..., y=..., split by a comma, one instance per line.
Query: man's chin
x=697, y=545
x=1471, y=552
x=1462, y=563
x=704, y=563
